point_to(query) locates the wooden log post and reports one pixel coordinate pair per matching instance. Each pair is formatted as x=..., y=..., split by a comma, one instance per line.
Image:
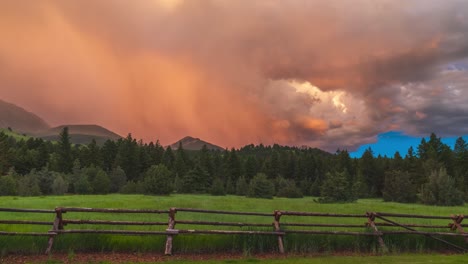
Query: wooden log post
x=370, y=223
x=276, y=223
x=456, y=225
x=58, y=225
x=170, y=227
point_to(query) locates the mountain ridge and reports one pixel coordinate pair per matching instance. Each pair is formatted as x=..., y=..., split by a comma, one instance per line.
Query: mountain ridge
x=192, y=143
x=19, y=119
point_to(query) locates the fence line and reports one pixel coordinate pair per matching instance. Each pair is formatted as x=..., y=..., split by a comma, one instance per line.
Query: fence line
x=370, y=228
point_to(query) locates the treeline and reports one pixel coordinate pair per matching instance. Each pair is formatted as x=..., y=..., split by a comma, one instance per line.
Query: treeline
x=432, y=174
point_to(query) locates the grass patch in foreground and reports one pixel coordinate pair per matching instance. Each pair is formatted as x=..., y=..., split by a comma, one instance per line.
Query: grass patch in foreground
x=213, y=243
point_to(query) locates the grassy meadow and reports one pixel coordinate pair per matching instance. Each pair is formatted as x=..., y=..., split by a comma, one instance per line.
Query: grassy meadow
x=212, y=243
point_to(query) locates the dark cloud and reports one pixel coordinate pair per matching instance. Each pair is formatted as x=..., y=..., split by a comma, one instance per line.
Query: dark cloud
x=237, y=72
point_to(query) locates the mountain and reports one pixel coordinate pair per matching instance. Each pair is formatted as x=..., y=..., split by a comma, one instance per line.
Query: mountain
x=20, y=120
x=80, y=134
x=190, y=143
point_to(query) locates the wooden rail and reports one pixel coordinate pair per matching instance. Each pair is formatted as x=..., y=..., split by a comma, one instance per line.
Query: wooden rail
x=371, y=228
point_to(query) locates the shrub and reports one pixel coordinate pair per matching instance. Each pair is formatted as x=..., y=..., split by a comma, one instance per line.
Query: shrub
x=336, y=188
x=441, y=189
x=158, y=180
x=261, y=187
x=398, y=187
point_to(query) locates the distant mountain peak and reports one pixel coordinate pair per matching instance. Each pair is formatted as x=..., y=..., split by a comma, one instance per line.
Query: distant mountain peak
x=19, y=119
x=192, y=143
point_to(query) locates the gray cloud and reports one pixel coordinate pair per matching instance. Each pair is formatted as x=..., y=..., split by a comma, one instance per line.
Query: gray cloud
x=224, y=69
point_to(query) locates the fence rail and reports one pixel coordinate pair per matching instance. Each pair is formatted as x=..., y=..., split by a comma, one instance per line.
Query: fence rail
x=280, y=229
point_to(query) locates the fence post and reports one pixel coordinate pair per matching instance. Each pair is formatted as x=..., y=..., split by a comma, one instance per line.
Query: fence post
x=456, y=225
x=276, y=223
x=58, y=225
x=371, y=223
x=170, y=227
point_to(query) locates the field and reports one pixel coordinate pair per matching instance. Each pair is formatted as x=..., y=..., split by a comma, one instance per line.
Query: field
x=213, y=243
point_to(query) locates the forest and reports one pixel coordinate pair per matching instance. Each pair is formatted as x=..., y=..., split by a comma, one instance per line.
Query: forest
x=433, y=174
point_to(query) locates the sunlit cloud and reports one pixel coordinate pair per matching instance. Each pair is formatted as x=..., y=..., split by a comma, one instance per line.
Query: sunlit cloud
x=320, y=73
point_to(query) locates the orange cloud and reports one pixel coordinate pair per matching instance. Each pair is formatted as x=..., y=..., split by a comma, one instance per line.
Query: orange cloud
x=219, y=70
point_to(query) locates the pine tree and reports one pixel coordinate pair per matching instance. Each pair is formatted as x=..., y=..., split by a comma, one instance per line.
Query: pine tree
x=65, y=157
x=398, y=187
x=261, y=187
x=158, y=180
x=336, y=188
x=118, y=179
x=101, y=182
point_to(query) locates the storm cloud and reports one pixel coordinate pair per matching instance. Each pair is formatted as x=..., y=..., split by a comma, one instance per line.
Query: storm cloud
x=330, y=74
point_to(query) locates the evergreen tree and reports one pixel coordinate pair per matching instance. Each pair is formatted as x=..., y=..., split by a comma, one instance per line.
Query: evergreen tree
x=195, y=181
x=261, y=187
x=65, y=157
x=217, y=189
x=242, y=187
x=101, y=182
x=461, y=164
x=28, y=185
x=398, y=187
x=169, y=158
x=109, y=153
x=8, y=184
x=158, y=180
x=59, y=186
x=128, y=157
x=118, y=179
x=336, y=188
x=441, y=190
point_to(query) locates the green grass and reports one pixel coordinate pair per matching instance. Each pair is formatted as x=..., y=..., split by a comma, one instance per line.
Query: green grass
x=14, y=134
x=207, y=243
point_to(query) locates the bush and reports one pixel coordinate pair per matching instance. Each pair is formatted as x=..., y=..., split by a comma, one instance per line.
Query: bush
x=261, y=187
x=398, y=187
x=217, y=188
x=336, y=188
x=158, y=180
x=441, y=189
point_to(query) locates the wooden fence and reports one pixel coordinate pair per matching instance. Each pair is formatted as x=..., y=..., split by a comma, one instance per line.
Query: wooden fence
x=369, y=227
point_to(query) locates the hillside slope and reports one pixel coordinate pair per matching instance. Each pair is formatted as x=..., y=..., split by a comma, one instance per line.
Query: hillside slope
x=190, y=143
x=18, y=119
x=80, y=134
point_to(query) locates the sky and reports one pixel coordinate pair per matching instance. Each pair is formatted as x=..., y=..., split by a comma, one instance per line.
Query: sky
x=322, y=73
